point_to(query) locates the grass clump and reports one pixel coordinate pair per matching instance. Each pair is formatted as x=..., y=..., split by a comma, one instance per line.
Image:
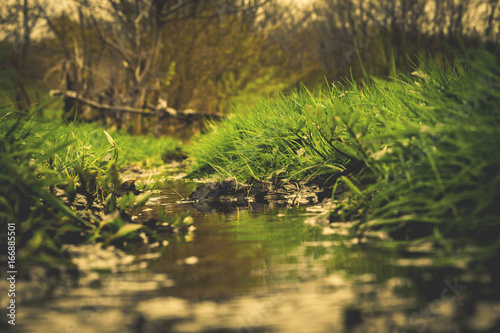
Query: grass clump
x=419, y=152
x=439, y=173
x=146, y=151
x=28, y=174
x=60, y=183
x=304, y=134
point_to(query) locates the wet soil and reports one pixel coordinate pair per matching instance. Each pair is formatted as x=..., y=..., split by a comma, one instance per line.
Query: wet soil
x=229, y=194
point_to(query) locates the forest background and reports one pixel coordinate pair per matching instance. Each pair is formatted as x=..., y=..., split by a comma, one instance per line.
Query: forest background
x=208, y=55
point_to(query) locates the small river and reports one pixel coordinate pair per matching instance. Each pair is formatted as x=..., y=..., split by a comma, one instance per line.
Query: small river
x=262, y=269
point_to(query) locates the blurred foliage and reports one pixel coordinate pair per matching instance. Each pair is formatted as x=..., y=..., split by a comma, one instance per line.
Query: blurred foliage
x=211, y=55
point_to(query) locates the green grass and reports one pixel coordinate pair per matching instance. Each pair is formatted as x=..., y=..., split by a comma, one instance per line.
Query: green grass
x=419, y=152
x=303, y=134
x=146, y=151
x=40, y=159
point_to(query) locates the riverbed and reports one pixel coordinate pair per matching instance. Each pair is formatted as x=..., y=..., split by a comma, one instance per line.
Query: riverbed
x=261, y=269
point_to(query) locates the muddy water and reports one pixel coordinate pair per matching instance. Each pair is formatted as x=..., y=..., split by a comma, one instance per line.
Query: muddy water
x=263, y=269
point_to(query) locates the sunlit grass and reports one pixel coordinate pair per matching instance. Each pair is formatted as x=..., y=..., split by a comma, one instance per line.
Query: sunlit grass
x=419, y=153
x=146, y=151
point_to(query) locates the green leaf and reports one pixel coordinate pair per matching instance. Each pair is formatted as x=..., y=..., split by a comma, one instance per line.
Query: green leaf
x=110, y=139
x=123, y=202
x=123, y=231
x=353, y=187
x=35, y=242
x=142, y=198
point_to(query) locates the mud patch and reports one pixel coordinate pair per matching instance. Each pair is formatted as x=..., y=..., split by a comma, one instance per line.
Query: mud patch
x=231, y=193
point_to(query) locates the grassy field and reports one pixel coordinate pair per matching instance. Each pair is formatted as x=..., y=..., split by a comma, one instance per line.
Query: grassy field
x=419, y=152
x=48, y=169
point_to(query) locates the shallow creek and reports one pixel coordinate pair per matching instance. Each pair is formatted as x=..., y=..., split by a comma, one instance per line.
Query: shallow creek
x=264, y=269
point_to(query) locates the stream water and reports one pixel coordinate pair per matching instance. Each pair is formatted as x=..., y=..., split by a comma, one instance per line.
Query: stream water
x=264, y=269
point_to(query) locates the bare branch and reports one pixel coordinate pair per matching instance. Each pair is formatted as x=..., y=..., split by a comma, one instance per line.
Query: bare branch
x=154, y=111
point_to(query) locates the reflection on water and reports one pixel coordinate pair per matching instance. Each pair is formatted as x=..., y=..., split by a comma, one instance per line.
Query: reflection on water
x=265, y=270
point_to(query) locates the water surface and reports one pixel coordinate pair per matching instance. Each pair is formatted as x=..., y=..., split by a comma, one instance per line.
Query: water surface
x=262, y=269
